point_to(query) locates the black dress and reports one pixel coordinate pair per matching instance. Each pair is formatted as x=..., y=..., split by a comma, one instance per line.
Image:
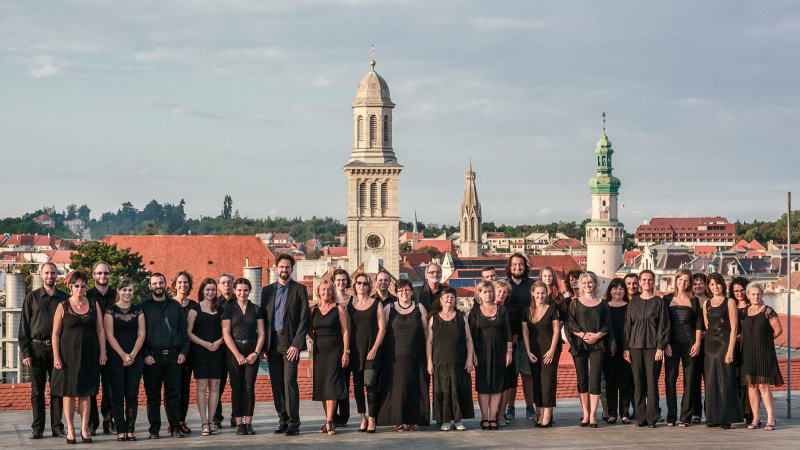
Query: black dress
x=125, y=380
x=204, y=362
x=759, y=362
x=490, y=336
x=619, y=377
x=452, y=384
x=363, y=332
x=329, y=381
x=540, y=338
x=80, y=354
x=403, y=386
x=722, y=393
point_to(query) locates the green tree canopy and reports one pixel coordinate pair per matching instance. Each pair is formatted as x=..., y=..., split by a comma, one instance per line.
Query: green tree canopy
x=123, y=264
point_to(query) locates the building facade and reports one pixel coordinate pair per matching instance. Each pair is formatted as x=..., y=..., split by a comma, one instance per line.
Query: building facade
x=372, y=175
x=687, y=232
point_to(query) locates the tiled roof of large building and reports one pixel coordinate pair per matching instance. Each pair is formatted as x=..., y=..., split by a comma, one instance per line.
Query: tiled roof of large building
x=416, y=259
x=565, y=244
x=201, y=256
x=443, y=245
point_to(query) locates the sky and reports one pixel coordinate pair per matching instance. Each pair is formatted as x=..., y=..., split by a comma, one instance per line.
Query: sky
x=107, y=102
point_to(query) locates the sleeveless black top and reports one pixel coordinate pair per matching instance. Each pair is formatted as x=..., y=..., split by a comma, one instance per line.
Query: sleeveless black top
x=363, y=332
x=449, y=340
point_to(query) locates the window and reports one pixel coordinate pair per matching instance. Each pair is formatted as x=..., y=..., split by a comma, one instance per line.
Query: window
x=362, y=195
x=385, y=128
x=373, y=195
x=360, y=129
x=384, y=195
x=373, y=128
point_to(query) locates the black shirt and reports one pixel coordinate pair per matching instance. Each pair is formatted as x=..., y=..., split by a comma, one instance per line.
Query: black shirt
x=647, y=323
x=103, y=300
x=244, y=326
x=519, y=299
x=38, y=310
x=165, y=322
x=388, y=300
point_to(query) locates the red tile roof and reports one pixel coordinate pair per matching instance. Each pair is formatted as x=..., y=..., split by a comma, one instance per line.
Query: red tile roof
x=416, y=259
x=795, y=282
x=564, y=263
x=630, y=256
x=563, y=244
x=443, y=245
x=61, y=256
x=337, y=252
x=781, y=341
x=465, y=292
x=704, y=250
x=411, y=274
x=201, y=256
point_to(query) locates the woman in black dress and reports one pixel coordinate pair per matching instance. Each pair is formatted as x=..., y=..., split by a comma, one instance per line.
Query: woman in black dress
x=341, y=280
x=491, y=336
x=737, y=290
x=589, y=323
x=125, y=332
x=501, y=292
x=367, y=330
x=79, y=349
x=207, y=357
x=619, y=378
x=450, y=358
x=330, y=329
x=722, y=393
x=700, y=290
x=403, y=400
x=686, y=325
x=760, y=328
x=541, y=333
x=181, y=289
x=647, y=331
x=243, y=331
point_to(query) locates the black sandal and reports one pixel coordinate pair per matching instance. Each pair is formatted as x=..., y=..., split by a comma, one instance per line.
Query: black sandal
x=485, y=427
x=331, y=428
x=493, y=427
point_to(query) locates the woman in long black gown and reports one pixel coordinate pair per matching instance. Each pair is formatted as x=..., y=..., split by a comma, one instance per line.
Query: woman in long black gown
x=181, y=289
x=125, y=332
x=541, y=333
x=79, y=349
x=722, y=393
x=450, y=358
x=491, y=336
x=501, y=292
x=700, y=290
x=760, y=328
x=403, y=400
x=617, y=371
x=330, y=330
x=207, y=357
x=737, y=290
x=589, y=323
x=367, y=330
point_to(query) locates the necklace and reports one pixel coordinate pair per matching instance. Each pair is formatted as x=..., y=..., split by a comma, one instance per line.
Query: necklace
x=79, y=304
x=404, y=308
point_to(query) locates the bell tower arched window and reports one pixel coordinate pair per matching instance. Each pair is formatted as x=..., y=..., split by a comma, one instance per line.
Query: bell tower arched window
x=362, y=196
x=385, y=128
x=384, y=196
x=373, y=196
x=373, y=129
x=360, y=129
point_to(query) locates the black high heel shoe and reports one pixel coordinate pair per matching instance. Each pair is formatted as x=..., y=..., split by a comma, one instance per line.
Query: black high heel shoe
x=85, y=440
x=485, y=427
x=493, y=427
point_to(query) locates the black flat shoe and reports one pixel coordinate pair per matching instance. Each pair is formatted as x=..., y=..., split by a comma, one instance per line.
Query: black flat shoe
x=592, y=425
x=652, y=425
x=241, y=430
x=611, y=421
x=121, y=437
x=292, y=432
x=280, y=430
x=626, y=421
x=131, y=438
x=154, y=436
x=36, y=434
x=641, y=424
x=725, y=426
x=58, y=432
x=248, y=428
x=184, y=428
x=177, y=433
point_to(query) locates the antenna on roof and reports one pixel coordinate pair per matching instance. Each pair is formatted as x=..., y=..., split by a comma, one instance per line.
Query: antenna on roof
x=604, y=122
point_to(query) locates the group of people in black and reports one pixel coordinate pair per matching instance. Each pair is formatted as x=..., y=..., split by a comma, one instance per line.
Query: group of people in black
x=398, y=348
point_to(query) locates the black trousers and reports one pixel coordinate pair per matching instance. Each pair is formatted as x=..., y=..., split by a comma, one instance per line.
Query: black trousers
x=697, y=382
x=243, y=382
x=285, y=392
x=165, y=372
x=619, y=386
x=366, y=380
x=342, y=412
x=186, y=385
x=105, y=403
x=589, y=368
x=218, y=416
x=646, y=371
x=41, y=370
x=124, y=393
x=680, y=354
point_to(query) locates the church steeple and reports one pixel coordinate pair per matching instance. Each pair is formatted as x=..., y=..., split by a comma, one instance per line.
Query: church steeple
x=471, y=218
x=603, y=181
x=372, y=120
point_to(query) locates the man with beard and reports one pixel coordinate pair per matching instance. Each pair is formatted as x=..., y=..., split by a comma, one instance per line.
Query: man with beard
x=631, y=285
x=285, y=305
x=226, y=296
x=165, y=348
x=35, y=332
x=428, y=294
x=382, y=282
x=519, y=299
x=105, y=297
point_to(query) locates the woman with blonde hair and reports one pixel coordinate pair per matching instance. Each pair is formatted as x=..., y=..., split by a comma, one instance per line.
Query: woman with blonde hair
x=491, y=336
x=541, y=331
x=502, y=288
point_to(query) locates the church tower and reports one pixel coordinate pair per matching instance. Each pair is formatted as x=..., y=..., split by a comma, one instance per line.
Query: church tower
x=471, y=219
x=604, y=234
x=372, y=176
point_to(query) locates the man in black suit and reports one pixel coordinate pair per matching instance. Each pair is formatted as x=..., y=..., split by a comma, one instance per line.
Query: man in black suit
x=285, y=305
x=428, y=294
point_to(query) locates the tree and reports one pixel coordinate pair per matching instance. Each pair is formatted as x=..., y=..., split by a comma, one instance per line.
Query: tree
x=83, y=212
x=72, y=212
x=123, y=264
x=227, y=207
x=406, y=247
x=314, y=254
x=433, y=252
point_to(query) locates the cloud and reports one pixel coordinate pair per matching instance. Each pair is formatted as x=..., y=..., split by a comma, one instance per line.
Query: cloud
x=544, y=212
x=41, y=66
x=273, y=212
x=177, y=109
x=321, y=82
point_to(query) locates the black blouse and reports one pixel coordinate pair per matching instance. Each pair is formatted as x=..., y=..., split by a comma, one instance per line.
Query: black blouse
x=588, y=319
x=244, y=326
x=647, y=323
x=684, y=320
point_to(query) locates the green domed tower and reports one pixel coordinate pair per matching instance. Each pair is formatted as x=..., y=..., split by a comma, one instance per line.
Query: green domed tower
x=605, y=233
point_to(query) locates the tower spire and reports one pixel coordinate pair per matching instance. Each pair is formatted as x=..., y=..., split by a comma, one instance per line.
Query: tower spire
x=471, y=218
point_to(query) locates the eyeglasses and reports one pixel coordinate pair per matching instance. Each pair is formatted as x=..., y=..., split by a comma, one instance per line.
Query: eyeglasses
x=362, y=283
x=434, y=272
x=101, y=273
x=79, y=286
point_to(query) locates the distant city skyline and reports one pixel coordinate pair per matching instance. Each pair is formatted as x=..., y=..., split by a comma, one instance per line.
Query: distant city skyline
x=132, y=101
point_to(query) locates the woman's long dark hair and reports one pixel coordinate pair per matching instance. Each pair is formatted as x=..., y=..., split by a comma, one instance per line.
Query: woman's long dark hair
x=201, y=296
x=615, y=283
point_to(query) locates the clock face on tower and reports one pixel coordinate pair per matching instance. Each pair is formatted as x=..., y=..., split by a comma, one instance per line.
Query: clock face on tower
x=374, y=241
